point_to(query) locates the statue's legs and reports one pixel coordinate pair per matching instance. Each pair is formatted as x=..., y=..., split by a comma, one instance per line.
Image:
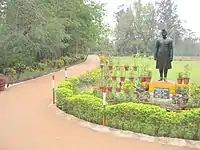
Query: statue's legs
x=161, y=74
x=161, y=71
x=165, y=74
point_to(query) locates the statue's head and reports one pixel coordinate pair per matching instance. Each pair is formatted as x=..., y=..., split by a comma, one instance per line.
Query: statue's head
x=164, y=33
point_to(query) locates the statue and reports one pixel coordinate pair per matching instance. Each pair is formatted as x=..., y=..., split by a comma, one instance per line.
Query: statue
x=164, y=55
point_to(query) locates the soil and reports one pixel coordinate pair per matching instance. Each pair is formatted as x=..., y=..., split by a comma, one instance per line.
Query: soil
x=27, y=123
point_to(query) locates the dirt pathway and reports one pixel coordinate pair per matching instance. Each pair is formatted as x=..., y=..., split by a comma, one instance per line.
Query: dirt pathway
x=26, y=122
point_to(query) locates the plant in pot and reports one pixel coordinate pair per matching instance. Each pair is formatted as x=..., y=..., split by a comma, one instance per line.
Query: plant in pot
x=122, y=77
x=118, y=87
x=126, y=67
x=110, y=63
x=180, y=78
x=149, y=76
x=109, y=87
x=135, y=68
x=131, y=77
x=143, y=74
x=114, y=75
x=110, y=66
x=106, y=74
x=128, y=87
x=186, y=77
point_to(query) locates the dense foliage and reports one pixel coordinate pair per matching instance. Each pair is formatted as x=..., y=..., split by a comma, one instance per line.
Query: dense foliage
x=32, y=31
x=141, y=118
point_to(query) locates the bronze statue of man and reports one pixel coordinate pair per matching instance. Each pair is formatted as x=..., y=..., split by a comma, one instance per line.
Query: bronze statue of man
x=164, y=55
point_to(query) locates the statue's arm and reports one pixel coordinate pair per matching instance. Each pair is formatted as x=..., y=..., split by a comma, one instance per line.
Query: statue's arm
x=171, y=51
x=157, y=48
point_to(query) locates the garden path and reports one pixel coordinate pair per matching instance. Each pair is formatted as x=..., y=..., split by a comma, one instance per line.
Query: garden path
x=27, y=123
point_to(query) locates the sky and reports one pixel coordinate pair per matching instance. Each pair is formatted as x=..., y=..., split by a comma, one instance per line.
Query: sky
x=188, y=10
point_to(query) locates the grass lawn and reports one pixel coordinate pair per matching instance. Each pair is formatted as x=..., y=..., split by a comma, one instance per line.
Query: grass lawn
x=177, y=66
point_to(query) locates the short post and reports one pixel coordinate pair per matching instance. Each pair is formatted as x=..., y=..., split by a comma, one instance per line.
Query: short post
x=104, y=107
x=53, y=87
x=66, y=75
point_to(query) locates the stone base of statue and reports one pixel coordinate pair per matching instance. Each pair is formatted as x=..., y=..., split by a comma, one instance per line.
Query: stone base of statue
x=161, y=92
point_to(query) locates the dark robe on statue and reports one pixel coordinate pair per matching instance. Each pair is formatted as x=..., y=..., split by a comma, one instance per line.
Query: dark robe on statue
x=164, y=53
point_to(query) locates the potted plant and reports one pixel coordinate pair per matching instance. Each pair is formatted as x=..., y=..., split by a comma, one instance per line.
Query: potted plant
x=131, y=77
x=127, y=87
x=119, y=87
x=109, y=87
x=142, y=76
x=122, y=77
x=149, y=75
x=110, y=63
x=180, y=78
x=110, y=67
x=114, y=76
x=135, y=68
x=106, y=74
x=186, y=78
x=126, y=67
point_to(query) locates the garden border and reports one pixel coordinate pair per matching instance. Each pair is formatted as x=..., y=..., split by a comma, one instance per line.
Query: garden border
x=128, y=134
x=47, y=74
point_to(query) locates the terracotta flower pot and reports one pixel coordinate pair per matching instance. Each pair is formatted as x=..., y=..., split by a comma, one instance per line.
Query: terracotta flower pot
x=118, y=89
x=122, y=79
x=110, y=67
x=179, y=80
x=148, y=79
x=101, y=88
x=126, y=68
x=186, y=80
x=114, y=78
x=131, y=79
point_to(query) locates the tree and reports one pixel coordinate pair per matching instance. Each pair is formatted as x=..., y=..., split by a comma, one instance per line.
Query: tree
x=34, y=30
x=135, y=26
x=144, y=23
x=168, y=18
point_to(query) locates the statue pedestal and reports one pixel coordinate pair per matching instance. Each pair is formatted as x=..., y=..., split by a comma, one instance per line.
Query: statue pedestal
x=164, y=90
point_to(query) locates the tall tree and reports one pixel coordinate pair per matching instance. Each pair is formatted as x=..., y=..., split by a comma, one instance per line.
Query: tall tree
x=135, y=26
x=33, y=30
x=168, y=18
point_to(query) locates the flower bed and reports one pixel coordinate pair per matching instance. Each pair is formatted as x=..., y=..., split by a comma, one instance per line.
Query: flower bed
x=20, y=72
x=136, y=117
x=187, y=59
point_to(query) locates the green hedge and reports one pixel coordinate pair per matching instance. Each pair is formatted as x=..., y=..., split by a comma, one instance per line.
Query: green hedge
x=136, y=117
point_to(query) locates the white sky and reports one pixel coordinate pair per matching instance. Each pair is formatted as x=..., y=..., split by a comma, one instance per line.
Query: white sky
x=188, y=10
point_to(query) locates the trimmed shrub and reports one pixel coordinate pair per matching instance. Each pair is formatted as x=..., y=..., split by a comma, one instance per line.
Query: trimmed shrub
x=86, y=107
x=62, y=94
x=136, y=117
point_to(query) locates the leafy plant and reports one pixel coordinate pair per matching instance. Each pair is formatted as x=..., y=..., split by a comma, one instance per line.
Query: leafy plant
x=187, y=70
x=180, y=75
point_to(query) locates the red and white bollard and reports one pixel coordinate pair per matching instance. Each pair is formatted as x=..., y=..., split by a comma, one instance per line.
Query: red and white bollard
x=104, y=107
x=66, y=75
x=53, y=87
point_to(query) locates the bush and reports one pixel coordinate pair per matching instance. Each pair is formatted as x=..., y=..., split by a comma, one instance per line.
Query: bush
x=62, y=94
x=136, y=117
